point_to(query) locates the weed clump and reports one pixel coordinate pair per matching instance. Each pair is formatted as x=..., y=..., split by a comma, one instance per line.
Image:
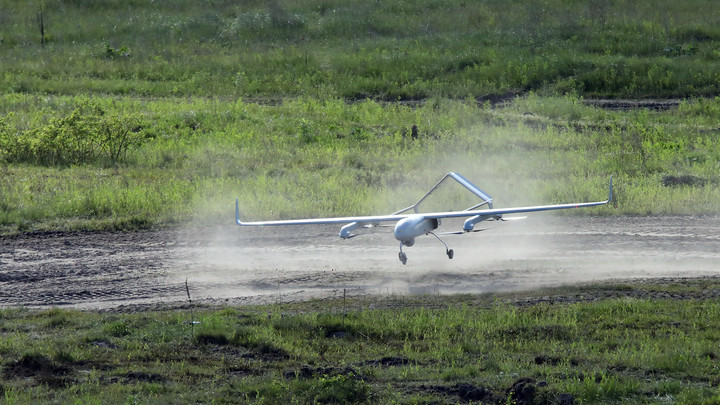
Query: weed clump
x=117, y=329
x=339, y=389
x=112, y=53
x=209, y=338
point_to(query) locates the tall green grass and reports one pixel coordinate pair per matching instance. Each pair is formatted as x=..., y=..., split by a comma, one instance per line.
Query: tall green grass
x=354, y=50
x=306, y=108
x=306, y=156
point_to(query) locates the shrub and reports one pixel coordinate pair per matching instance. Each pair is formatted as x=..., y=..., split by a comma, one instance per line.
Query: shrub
x=88, y=134
x=6, y=138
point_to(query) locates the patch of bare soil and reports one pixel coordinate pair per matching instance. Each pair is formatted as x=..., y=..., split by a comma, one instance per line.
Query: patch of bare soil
x=656, y=105
x=40, y=368
x=232, y=265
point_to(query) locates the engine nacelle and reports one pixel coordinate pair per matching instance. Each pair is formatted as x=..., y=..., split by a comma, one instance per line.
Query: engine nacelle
x=407, y=229
x=470, y=222
x=346, y=231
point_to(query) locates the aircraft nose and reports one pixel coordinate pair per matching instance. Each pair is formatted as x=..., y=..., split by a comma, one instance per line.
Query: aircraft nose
x=403, y=229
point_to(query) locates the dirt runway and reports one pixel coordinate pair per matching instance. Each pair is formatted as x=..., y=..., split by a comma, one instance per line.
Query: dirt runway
x=264, y=265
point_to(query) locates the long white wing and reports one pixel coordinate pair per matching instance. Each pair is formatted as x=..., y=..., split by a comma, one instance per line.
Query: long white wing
x=438, y=215
x=311, y=221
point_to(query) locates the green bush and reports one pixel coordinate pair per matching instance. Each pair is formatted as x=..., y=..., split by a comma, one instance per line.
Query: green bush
x=87, y=134
x=6, y=137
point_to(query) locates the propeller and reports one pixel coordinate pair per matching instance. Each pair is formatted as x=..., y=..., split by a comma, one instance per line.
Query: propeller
x=368, y=226
x=512, y=218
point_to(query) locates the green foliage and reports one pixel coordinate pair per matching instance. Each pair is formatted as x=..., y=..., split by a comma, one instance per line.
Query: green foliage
x=124, y=163
x=339, y=389
x=111, y=53
x=87, y=134
x=607, y=350
x=7, y=137
x=419, y=49
x=311, y=108
x=117, y=328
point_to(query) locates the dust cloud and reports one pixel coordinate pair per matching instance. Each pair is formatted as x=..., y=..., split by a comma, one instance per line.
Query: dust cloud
x=283, y=264
x=280, y=264
x=239, y=265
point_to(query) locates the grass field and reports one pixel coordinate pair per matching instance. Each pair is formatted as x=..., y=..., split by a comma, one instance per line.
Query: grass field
x=654, y=342
x=184, y=161
x=355, y=50
x=129, y=115
x=134, y=114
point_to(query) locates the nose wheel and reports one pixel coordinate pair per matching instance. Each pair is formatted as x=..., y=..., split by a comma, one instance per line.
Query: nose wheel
x=402, y=256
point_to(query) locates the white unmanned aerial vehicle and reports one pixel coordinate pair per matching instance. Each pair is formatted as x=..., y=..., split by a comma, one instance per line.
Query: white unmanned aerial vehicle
x=411, y=225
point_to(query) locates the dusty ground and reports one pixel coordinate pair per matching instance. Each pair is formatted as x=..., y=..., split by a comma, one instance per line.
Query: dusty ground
x=264, y=265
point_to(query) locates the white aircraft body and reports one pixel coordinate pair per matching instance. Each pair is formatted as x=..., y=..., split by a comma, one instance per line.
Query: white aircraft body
x=411, y=225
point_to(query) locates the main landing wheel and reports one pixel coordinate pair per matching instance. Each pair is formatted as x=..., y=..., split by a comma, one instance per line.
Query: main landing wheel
x=403, y=257
x=450, y=254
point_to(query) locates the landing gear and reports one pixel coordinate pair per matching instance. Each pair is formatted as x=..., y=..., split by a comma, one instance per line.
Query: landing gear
x=449, y=252
x=402, y=256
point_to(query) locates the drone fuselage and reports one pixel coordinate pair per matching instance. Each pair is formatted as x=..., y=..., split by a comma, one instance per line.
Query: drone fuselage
x=407, y=229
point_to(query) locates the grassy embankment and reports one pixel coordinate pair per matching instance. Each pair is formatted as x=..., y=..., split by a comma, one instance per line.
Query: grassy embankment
x=160, y=135
x=640, y=345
